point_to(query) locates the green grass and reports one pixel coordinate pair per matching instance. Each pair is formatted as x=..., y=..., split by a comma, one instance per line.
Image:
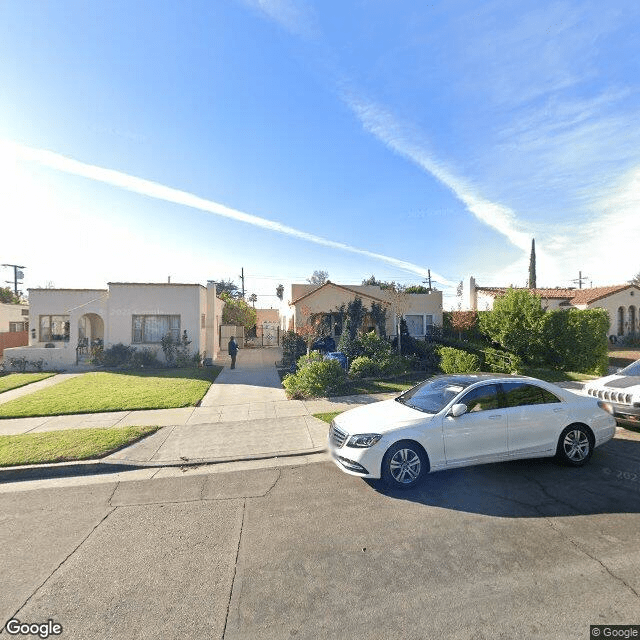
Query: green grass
x=126, y=391
x=356, y=387
x=68, y=445
x=17, y=380
x=327, y=417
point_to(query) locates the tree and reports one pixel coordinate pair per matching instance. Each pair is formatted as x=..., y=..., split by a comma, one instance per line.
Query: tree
x=318, y=278
x=229, y=287
x=516, y=323
x=372, y=281
x=532, y=265
x=253, y=298
x=635, y=280
x=462, y=321
x=8, y=296
x=236, y=311
x=416, y=288
x=280, y=291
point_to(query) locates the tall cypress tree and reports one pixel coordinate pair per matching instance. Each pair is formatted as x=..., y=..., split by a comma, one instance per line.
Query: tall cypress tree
x=532, y=265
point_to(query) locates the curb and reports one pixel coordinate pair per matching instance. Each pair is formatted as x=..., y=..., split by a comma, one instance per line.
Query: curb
x=96, y=467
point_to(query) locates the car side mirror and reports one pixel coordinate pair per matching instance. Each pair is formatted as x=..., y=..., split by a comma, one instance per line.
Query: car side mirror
x=458, y=409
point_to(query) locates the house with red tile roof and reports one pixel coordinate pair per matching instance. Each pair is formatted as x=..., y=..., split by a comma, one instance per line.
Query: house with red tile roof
x=621, y=301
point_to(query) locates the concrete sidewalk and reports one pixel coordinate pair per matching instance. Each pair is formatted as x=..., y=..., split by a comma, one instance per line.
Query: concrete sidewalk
x=243, y=416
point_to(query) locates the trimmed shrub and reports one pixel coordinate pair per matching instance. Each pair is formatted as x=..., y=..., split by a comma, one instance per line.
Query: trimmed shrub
x=396, y=365
x=458, y=361
x=496, y=361
x=145, y=359
x=117, y=355
x=375, y=347
x=306, y=360
x=364, y=367
x=293, y=346
x=315, y=379
x=349, y=344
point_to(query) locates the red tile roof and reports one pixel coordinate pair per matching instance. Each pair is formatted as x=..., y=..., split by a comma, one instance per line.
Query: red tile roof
x=575, y=296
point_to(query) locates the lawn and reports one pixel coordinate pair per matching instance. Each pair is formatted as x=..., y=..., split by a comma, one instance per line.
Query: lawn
x=621, y=357
x=17, y=380
x=68, y=445
x=125, y=391
x=552, y=375
x=327, y=417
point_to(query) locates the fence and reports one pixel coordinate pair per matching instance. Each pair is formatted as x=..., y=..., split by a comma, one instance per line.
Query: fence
x=10, y=339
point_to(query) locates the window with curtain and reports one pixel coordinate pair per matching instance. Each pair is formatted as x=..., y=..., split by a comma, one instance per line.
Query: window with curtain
x=151, y=329
x=54, y=328
x=415, y=325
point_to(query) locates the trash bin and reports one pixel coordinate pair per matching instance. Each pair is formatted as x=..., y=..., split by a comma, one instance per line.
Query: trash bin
x=339, y=356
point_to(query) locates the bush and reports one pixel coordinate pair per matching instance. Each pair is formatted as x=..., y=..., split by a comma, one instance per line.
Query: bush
x=117, y=355
x=496, y=361
x=375, y=347
x=315, y=379
x=145, y=359
x=306, y=360
x=293, y=346
x=396, y=365
x=349, y=344
x=458, y=361
x=364, y=367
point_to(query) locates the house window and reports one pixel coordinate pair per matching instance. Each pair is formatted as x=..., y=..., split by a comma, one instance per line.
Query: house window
x=14, y=327
x=151, y=329
x=415, y=325
x=25, y=312
x=54, y=328
x=203, y=321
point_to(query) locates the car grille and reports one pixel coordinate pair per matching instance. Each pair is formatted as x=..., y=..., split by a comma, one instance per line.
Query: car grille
x=612, y=396
x=337, y=436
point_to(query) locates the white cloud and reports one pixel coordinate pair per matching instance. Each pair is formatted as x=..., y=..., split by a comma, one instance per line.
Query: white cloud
x=296, y=16
x=168, y=194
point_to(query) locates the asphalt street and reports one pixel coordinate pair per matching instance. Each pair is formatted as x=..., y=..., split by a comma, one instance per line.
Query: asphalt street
x=524, y=549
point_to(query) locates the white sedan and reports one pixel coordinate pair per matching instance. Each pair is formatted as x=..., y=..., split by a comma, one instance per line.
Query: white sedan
x=467, y=419
x=620, y=390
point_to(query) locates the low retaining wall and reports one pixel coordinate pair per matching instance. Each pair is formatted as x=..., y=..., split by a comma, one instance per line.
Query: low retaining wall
x=56, y=358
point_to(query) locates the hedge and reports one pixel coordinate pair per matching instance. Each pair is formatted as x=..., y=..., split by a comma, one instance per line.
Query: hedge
x=458, y=361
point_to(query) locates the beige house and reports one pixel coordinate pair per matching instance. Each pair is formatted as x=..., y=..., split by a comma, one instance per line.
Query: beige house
x=622, y=302
x=65, y=323
x=14, y=324
x=421, y=311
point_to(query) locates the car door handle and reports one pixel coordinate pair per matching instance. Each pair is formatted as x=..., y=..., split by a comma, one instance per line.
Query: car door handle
x=558, y=410
x=495, y=417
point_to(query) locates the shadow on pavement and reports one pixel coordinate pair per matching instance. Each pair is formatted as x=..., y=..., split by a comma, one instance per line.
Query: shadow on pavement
x=609, y=483
x=63, y=471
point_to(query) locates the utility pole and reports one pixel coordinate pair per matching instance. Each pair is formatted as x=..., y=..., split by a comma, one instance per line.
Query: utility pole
x=429, y=279
x=242, y=278
x=17, y=275
x=580, y=279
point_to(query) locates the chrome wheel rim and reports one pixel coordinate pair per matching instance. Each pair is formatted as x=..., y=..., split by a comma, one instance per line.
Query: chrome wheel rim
x=405, y=466
x=576, y=445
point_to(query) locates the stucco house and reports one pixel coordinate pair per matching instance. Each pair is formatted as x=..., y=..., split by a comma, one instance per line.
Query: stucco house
x=621, y=301
x=64, y=323
x=421, y=311
x=14, y=324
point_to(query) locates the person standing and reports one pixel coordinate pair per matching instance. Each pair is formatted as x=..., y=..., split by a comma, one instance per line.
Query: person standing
x=233, y=351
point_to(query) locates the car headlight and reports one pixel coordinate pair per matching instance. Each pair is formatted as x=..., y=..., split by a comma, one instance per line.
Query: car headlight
x=363, y=440
x=606, y=406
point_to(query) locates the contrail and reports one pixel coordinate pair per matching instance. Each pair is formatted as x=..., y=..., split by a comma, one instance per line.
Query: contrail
x=383, y=126
x=168, y=194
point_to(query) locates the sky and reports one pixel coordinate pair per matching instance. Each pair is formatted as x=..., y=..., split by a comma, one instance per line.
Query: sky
x=192, y=140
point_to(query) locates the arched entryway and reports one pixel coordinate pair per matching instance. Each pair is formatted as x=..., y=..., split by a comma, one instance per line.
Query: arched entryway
x=90, y=332
x=633, y=326
x=620, y=321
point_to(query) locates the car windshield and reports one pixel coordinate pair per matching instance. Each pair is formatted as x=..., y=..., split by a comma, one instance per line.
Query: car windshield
x=631, y=370
x=433, y=395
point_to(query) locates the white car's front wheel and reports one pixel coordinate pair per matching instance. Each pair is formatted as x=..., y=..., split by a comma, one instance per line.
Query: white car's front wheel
x=404, y=465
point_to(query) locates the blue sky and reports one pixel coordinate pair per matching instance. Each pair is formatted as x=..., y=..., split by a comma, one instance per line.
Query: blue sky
x=190, y=139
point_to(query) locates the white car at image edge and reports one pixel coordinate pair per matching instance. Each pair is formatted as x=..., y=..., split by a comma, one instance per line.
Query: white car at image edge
x=467, y=419
x=620, y=390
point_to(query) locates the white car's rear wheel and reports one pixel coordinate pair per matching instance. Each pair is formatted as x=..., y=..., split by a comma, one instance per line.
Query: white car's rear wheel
x=575, y=445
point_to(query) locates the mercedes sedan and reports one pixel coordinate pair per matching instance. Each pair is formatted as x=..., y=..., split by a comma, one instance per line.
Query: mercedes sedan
x=461, y=420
